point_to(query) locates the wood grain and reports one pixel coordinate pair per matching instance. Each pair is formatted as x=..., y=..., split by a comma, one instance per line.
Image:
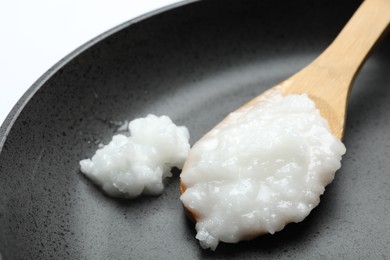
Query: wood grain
x=329, y=78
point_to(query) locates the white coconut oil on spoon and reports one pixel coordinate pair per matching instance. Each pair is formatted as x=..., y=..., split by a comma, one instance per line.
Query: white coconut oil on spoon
x=267, y=164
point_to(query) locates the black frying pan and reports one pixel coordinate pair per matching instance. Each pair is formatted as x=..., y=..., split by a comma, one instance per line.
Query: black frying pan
x=195, y=63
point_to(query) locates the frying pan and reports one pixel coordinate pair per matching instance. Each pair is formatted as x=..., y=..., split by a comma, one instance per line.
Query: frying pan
x=194, y=62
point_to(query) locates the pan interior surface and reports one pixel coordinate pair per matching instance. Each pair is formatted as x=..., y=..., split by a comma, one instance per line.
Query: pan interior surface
x=194, y=63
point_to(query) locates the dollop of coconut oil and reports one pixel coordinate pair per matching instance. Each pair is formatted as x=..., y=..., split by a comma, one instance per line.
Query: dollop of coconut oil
x=261, y=168
x=130, y=166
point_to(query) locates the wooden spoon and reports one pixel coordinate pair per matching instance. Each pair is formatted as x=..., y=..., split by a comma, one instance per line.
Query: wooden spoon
x=328, y=79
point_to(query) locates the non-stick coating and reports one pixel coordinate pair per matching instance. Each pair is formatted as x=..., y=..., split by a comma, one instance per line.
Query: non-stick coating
x=194, y=63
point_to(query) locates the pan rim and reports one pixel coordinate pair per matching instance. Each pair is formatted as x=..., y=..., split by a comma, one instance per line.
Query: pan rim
x=14, y=113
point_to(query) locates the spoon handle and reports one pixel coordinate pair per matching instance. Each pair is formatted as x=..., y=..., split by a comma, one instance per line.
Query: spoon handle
x=353, y=44
x=328, y=79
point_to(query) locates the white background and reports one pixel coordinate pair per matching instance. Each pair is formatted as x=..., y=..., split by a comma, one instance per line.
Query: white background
x=35, y=34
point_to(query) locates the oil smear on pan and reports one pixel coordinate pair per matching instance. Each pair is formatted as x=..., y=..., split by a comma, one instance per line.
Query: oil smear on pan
x=260, y=169
x=130, y=166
